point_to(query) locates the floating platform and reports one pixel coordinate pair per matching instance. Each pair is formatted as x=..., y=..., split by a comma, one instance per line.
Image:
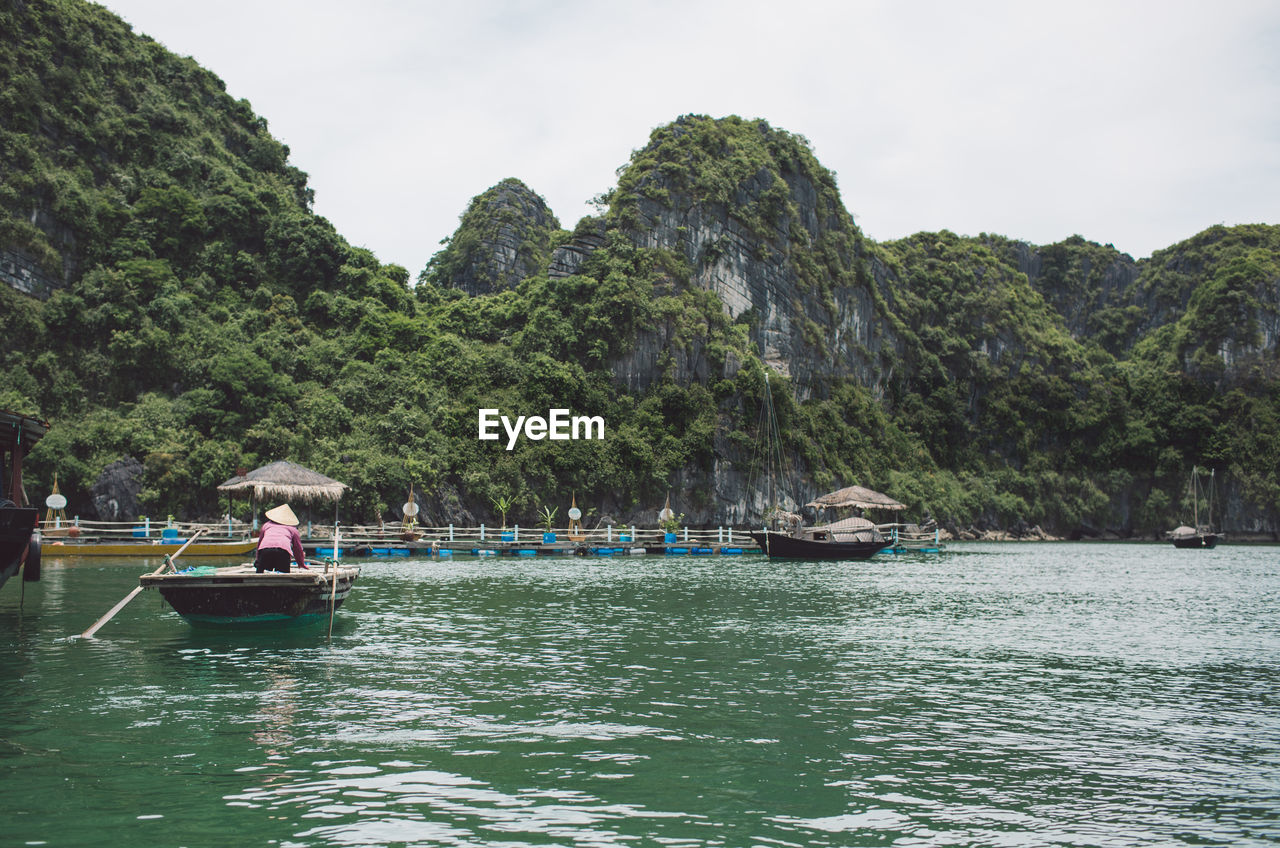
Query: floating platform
x=520, y=549
x=912, y=549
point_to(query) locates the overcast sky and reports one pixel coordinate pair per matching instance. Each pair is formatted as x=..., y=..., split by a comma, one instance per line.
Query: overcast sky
x=1137, y=124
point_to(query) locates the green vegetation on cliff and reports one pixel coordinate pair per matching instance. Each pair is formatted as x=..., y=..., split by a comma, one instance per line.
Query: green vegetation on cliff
x=1074, y=433
x=202, y=319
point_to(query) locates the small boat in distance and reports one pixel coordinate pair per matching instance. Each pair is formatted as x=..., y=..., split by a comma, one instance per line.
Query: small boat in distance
x=1198, y=535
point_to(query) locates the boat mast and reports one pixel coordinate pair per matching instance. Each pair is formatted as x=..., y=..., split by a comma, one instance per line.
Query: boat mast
x=773, y=446
x=1209, y=499
x=1195, y=497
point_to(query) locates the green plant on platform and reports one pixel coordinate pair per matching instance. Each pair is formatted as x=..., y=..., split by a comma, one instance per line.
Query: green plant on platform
x=547, y=518
x=503, y=504
x=672, y=524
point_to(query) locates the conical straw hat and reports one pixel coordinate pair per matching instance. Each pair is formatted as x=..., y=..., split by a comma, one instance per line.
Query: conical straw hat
x=283, y=515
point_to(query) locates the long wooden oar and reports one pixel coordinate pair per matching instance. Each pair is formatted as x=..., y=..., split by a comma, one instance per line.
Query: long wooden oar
x=168, y=561
x=333, y=591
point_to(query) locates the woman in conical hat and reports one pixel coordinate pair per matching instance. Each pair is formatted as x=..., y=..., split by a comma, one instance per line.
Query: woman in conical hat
x=279, y=541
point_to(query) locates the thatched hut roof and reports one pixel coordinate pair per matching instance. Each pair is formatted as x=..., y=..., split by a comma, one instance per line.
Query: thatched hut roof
x=285, y=481
x=855, y=496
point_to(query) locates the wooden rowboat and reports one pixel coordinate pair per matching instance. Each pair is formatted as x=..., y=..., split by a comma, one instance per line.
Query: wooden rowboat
x=238, y=595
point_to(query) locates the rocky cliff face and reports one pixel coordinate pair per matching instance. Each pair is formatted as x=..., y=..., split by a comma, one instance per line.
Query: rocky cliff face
x=115, y=493
x=771, y=239
x=505, y=236
x=971, y=343
x=567, y=259
x=1221, y=292
x=20, y=272
x=775, y=244
x=1106, y=296
x=1079, y=280
x=803, y=332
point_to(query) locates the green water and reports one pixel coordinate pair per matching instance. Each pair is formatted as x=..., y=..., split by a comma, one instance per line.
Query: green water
x=996, y=695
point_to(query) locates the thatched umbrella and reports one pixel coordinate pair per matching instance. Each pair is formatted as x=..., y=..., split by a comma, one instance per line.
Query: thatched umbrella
x=856, y=496
x=286, y=481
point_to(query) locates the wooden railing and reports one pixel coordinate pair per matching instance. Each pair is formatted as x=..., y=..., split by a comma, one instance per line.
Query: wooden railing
x=390, y=532
x=393, y=534
x=912, y=536
x=143, y=528
x=621, y=536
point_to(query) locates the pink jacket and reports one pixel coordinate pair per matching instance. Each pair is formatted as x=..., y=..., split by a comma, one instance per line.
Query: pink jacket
x=282, y=536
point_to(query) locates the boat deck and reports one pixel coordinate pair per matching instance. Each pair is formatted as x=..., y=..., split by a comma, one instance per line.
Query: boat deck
x=244, y=573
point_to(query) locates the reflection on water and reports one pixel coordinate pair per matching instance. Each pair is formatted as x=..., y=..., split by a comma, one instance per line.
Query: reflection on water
x=996, y=695
x=276, y=717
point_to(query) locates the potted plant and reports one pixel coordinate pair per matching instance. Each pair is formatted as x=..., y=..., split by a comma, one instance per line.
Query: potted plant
x=670, y=525
x=502, y=504
x=547, y=520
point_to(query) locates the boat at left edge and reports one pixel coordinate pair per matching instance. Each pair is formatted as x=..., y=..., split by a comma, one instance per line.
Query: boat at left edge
x=239, y=595
x=19, y=534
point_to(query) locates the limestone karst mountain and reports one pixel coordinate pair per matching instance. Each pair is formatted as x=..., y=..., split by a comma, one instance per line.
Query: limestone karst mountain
x=172, y=298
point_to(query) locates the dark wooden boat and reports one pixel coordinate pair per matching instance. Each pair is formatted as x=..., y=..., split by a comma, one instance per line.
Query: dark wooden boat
x=1189, y=538
x=777, y=545
x=852, y=538
x=19, y=539
x=18, y=542
x=239, y=596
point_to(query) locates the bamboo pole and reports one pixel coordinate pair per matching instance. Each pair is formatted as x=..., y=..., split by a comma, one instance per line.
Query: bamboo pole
x=168, y=562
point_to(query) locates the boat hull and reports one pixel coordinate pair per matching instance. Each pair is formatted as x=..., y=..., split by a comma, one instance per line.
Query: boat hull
x=782, y=546
x=240, y=597
x=16, y=527
x=1202, y=540
x=151, y=549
